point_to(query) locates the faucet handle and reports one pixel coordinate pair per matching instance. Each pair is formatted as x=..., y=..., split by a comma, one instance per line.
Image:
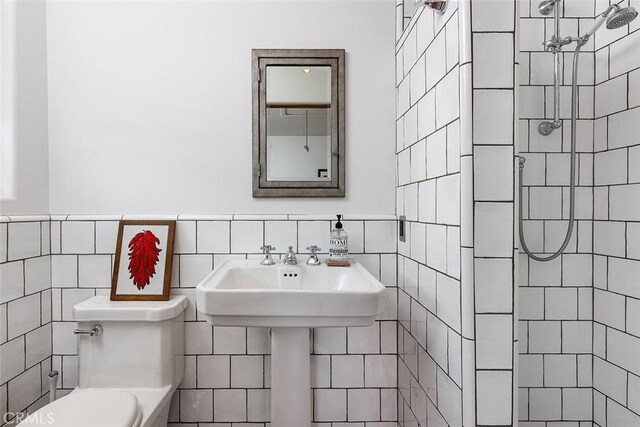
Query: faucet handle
x=313, y=249
x=266, y=249
x=268, y=260
x=313, y=257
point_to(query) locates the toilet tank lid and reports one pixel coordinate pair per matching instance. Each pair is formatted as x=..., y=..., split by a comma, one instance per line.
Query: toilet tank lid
x=100, y=308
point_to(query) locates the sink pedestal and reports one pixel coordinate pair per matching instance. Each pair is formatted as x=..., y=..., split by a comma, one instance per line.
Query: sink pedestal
x=290, y=377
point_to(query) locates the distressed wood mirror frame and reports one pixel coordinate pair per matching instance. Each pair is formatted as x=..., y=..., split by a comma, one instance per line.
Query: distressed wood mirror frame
x=335, y=58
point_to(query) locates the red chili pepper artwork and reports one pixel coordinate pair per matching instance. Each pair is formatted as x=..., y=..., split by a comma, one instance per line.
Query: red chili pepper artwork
x=143, y=257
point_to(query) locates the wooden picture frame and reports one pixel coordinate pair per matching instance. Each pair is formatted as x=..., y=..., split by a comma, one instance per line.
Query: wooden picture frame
x=145, y=272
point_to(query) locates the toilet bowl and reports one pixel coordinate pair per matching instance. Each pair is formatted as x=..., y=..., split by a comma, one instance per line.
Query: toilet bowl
x=128, y=373
x=83, y=408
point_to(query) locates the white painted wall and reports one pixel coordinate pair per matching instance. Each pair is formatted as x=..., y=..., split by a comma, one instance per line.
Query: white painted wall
x=28, y=156
x=150, y=102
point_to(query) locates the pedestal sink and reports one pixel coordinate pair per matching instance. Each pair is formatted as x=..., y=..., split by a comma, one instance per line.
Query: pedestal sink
x=289, y=300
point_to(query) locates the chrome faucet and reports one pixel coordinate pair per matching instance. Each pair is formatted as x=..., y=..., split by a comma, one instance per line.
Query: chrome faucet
x=313, y=257
x=268, y=259
x=290, y=257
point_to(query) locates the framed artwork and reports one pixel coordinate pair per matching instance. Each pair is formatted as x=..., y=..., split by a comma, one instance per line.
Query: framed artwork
x=142, y=268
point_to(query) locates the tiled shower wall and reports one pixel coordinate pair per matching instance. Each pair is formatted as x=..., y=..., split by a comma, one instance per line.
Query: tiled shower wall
x=227, y=369
x=555, y=301
x=455, y=154
x=428, y=194
x=616, y=228
x=455, y=145
x=489, y=254
x=25, y=315
x=579, y=312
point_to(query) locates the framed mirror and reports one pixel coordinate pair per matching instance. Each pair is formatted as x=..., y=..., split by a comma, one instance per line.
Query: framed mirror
x=298, y=123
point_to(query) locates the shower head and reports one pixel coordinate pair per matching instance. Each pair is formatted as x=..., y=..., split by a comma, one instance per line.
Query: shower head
x=440, y=6
x=617, y=19
x=547, y=6
x=621, y=17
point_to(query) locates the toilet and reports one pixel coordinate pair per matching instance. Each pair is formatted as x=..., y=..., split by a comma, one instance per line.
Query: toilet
x=128, y=373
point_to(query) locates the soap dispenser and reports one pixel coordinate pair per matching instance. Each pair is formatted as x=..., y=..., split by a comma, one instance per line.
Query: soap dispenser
x=338, y=243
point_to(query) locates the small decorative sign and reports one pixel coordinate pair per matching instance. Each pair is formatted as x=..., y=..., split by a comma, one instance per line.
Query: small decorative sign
x=142, y=268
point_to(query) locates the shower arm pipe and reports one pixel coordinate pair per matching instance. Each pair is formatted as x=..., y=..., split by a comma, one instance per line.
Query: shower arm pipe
x=572, y=180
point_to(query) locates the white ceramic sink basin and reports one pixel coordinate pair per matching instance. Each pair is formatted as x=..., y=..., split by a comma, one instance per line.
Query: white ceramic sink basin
x=245, y=293
x=289, y=299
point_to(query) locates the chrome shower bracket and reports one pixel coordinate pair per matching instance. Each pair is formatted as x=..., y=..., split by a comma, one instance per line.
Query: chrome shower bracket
x=582, y=40
x=521, y=161
x=439, y=6
x=554, y=45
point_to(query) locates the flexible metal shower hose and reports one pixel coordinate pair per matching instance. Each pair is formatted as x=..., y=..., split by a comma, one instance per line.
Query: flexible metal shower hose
x=572, y=182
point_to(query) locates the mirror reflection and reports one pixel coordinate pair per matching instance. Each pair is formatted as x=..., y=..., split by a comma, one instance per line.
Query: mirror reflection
x=298, y=121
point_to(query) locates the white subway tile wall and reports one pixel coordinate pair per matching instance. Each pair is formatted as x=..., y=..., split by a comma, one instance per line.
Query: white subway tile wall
x=575, y=311
x=555, y=301
x=616, y=263
x=455, y=185
x=428, y=162
x=227, y=370
x=490, y=264
x=25, y=316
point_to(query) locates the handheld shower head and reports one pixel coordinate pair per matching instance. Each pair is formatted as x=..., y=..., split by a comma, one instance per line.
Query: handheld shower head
x=621, y=17
x=617, y=19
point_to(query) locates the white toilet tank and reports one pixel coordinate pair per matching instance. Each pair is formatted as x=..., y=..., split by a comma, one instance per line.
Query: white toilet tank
x=141, y=346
